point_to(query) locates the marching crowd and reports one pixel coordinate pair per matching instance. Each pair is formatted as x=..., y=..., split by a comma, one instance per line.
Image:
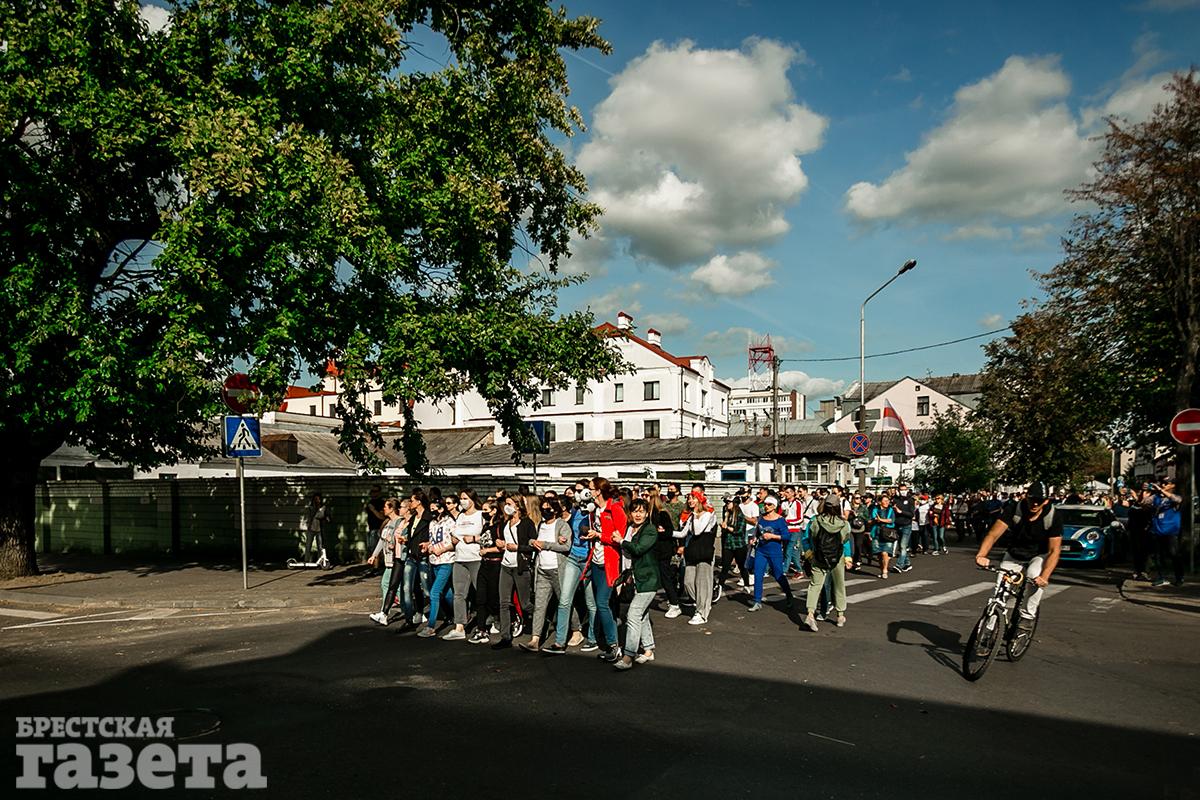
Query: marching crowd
x=569, y=568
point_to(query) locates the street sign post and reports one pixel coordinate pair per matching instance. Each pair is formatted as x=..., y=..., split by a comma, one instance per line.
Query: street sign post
x=242, y=441
x=1185, y=428
x=541, y=434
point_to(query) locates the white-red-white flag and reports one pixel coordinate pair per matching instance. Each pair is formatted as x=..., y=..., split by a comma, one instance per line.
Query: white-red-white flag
x=890, y=421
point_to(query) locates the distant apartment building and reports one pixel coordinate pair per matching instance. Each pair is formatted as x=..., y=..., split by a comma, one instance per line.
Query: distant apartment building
x=917, y=401
x=750, y=409
x=665, y=397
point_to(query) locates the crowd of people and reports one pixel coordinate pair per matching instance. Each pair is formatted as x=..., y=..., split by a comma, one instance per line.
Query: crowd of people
x=570, y=569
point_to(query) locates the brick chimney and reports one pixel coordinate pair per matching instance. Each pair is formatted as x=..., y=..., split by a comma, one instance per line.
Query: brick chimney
x=654, y=337
x=624, y=321
x=283, y=445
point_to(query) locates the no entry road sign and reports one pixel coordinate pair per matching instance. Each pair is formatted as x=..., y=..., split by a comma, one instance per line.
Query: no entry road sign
x=1186, y=426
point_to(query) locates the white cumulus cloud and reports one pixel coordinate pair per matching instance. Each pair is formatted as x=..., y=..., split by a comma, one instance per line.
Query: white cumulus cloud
x=1010, y=147
x=990, y=321
x=626, y=298
x=734, y=341
x=156, y=17
x=802, y=382
x=739, y=274
x=980, y=230
x=696, y=152
x=1133, y=102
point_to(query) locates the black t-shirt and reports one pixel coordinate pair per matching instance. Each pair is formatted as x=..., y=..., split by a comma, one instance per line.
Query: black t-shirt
x=374, y=523
x=1028, y=538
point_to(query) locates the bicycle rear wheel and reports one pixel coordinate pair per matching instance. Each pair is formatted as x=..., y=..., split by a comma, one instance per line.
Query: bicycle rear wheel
x=1018, y=641
x=982, y=644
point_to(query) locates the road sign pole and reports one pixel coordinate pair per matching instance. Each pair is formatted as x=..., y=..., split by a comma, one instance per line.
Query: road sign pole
x=1192, y=549
x=241, y=472
x=535, y=491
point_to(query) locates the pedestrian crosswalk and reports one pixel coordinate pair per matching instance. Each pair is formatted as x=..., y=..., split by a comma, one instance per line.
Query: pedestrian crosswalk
x=927, y=593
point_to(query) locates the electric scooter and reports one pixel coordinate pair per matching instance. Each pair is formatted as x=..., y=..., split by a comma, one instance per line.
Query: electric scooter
x=322, y=561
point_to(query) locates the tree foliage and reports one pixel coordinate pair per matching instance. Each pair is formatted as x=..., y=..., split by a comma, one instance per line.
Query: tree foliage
x=283, y=184
x=1112, y=351
x=957, y=457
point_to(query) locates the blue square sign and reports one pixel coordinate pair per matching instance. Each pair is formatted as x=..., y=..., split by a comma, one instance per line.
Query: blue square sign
x=242, y=438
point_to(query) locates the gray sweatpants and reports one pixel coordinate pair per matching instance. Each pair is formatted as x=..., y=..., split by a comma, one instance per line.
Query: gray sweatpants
x=466, y=575
x=698, y=581
x=545, y=589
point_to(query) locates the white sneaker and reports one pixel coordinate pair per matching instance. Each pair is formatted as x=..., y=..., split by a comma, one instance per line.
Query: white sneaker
x=495, y=629
x=454, y=635
x=644, y=658
x=380, y=618
x=697, y=620
x=673, y=612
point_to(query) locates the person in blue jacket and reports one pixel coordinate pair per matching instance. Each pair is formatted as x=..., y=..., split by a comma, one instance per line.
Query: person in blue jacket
x=770, y=538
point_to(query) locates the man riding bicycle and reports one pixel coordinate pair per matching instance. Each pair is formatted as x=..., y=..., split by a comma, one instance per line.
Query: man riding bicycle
x=1034, y=545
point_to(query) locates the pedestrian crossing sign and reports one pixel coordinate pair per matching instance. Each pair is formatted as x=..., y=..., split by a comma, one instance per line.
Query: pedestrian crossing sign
x=242, y=437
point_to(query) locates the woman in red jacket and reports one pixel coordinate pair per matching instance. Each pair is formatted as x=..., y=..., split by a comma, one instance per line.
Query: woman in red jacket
x=607, y=518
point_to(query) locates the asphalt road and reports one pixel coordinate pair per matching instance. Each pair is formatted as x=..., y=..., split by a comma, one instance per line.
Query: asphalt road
x=748, y=705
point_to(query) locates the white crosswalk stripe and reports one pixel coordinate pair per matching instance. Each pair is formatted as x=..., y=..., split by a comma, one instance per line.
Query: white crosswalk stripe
x=859, y=597
x=25, y=614
x=956, y=594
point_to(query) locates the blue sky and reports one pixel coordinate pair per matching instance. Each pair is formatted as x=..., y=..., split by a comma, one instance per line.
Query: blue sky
x=725, y=138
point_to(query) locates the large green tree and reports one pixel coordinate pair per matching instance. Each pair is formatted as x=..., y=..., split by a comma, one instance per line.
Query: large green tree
x=283, y=184
x=1112, y=350
x=957, y=456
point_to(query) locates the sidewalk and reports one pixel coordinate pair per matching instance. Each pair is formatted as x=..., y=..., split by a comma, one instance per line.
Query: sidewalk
x=1179, y=599
x=114, y=582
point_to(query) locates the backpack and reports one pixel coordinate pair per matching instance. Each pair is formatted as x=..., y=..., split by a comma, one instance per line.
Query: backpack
x=826, y=546
x=1166, y=520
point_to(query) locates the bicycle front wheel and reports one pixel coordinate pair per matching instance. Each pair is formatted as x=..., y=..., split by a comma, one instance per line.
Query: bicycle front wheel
x=982, y=644
x=1017, y=644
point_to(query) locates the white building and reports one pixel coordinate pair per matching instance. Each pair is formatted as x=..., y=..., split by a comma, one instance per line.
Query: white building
x=750, y=409
x=666, y=397
x=916, y=401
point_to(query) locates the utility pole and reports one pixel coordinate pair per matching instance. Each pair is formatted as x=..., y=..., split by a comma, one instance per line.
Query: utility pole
x=775, y=419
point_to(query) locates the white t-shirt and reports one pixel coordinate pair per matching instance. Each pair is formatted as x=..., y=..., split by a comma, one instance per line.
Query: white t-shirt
x=439, y=534
x=468, y=525
x=597, y=546
x=547, y=559
x=749, y=510
x=509, y=559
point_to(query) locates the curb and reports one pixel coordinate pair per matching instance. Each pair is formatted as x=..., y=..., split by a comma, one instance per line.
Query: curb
x=24, y=598
x=1154, y=606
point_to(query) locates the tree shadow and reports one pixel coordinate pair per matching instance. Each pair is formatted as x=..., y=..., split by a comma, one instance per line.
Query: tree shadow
x=553, y=725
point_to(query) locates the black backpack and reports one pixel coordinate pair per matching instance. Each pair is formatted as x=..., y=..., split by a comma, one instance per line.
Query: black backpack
x=827, y=546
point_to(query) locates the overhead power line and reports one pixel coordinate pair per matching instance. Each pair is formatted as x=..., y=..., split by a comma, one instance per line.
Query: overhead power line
x=900, y=352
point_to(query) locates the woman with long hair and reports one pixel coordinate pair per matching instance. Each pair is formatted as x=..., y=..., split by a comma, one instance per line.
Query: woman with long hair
x=515, y=534
x=608, y=519
x=638, y=543
x=883, y=533
x=440, y=549
x=468, y=529
x=552, y=544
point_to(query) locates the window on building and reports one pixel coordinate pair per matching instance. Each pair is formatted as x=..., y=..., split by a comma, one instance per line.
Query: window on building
x=547, y=397
x=579, y=431
x=549, y=431
x=579, y=393
x=703, y=398
x=687, y=392
x=619, y=393
x=651, y=390
x=923, y=406
x=693, y=430
x=650, y=429
x=618, y=430
x=312, y=411
x=378, y=407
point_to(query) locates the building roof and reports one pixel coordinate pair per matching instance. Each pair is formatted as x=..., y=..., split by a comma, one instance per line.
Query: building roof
x=609, y=330
x=949, y=385
x=442, y=445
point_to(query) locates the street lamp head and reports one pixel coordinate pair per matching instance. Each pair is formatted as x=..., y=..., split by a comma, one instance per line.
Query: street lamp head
x=912, y=262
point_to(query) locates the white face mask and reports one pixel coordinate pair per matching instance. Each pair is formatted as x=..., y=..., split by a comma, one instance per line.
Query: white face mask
x=464, y=504
x=510, y=510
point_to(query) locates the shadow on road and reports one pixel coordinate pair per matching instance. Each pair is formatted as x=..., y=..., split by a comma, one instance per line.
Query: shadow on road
x=943, y=646
x=337, y=716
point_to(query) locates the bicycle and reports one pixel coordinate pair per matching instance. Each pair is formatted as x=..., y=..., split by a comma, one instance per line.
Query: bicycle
x=998, y=622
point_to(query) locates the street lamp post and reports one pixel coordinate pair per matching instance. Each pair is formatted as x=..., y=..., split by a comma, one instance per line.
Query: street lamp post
x=862, y=361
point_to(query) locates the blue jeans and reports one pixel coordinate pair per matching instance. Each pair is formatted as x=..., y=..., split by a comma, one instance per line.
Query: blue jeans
x=793, y=556
x=939, y=538
x=902, y=558
x=568, y=585
x=774, y=560
x=442, y=574
x=413, y=571
x=604, y=615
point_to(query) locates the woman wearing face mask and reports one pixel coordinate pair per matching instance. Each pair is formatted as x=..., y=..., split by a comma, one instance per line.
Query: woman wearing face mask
x=665, y=552
x=515, y=534
x=639, y=544
x=487, y=588
x=573, y=578
x=883, y=533
x=609, y=519
x=440, y=549
x=552, y=544
x=468, y=527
